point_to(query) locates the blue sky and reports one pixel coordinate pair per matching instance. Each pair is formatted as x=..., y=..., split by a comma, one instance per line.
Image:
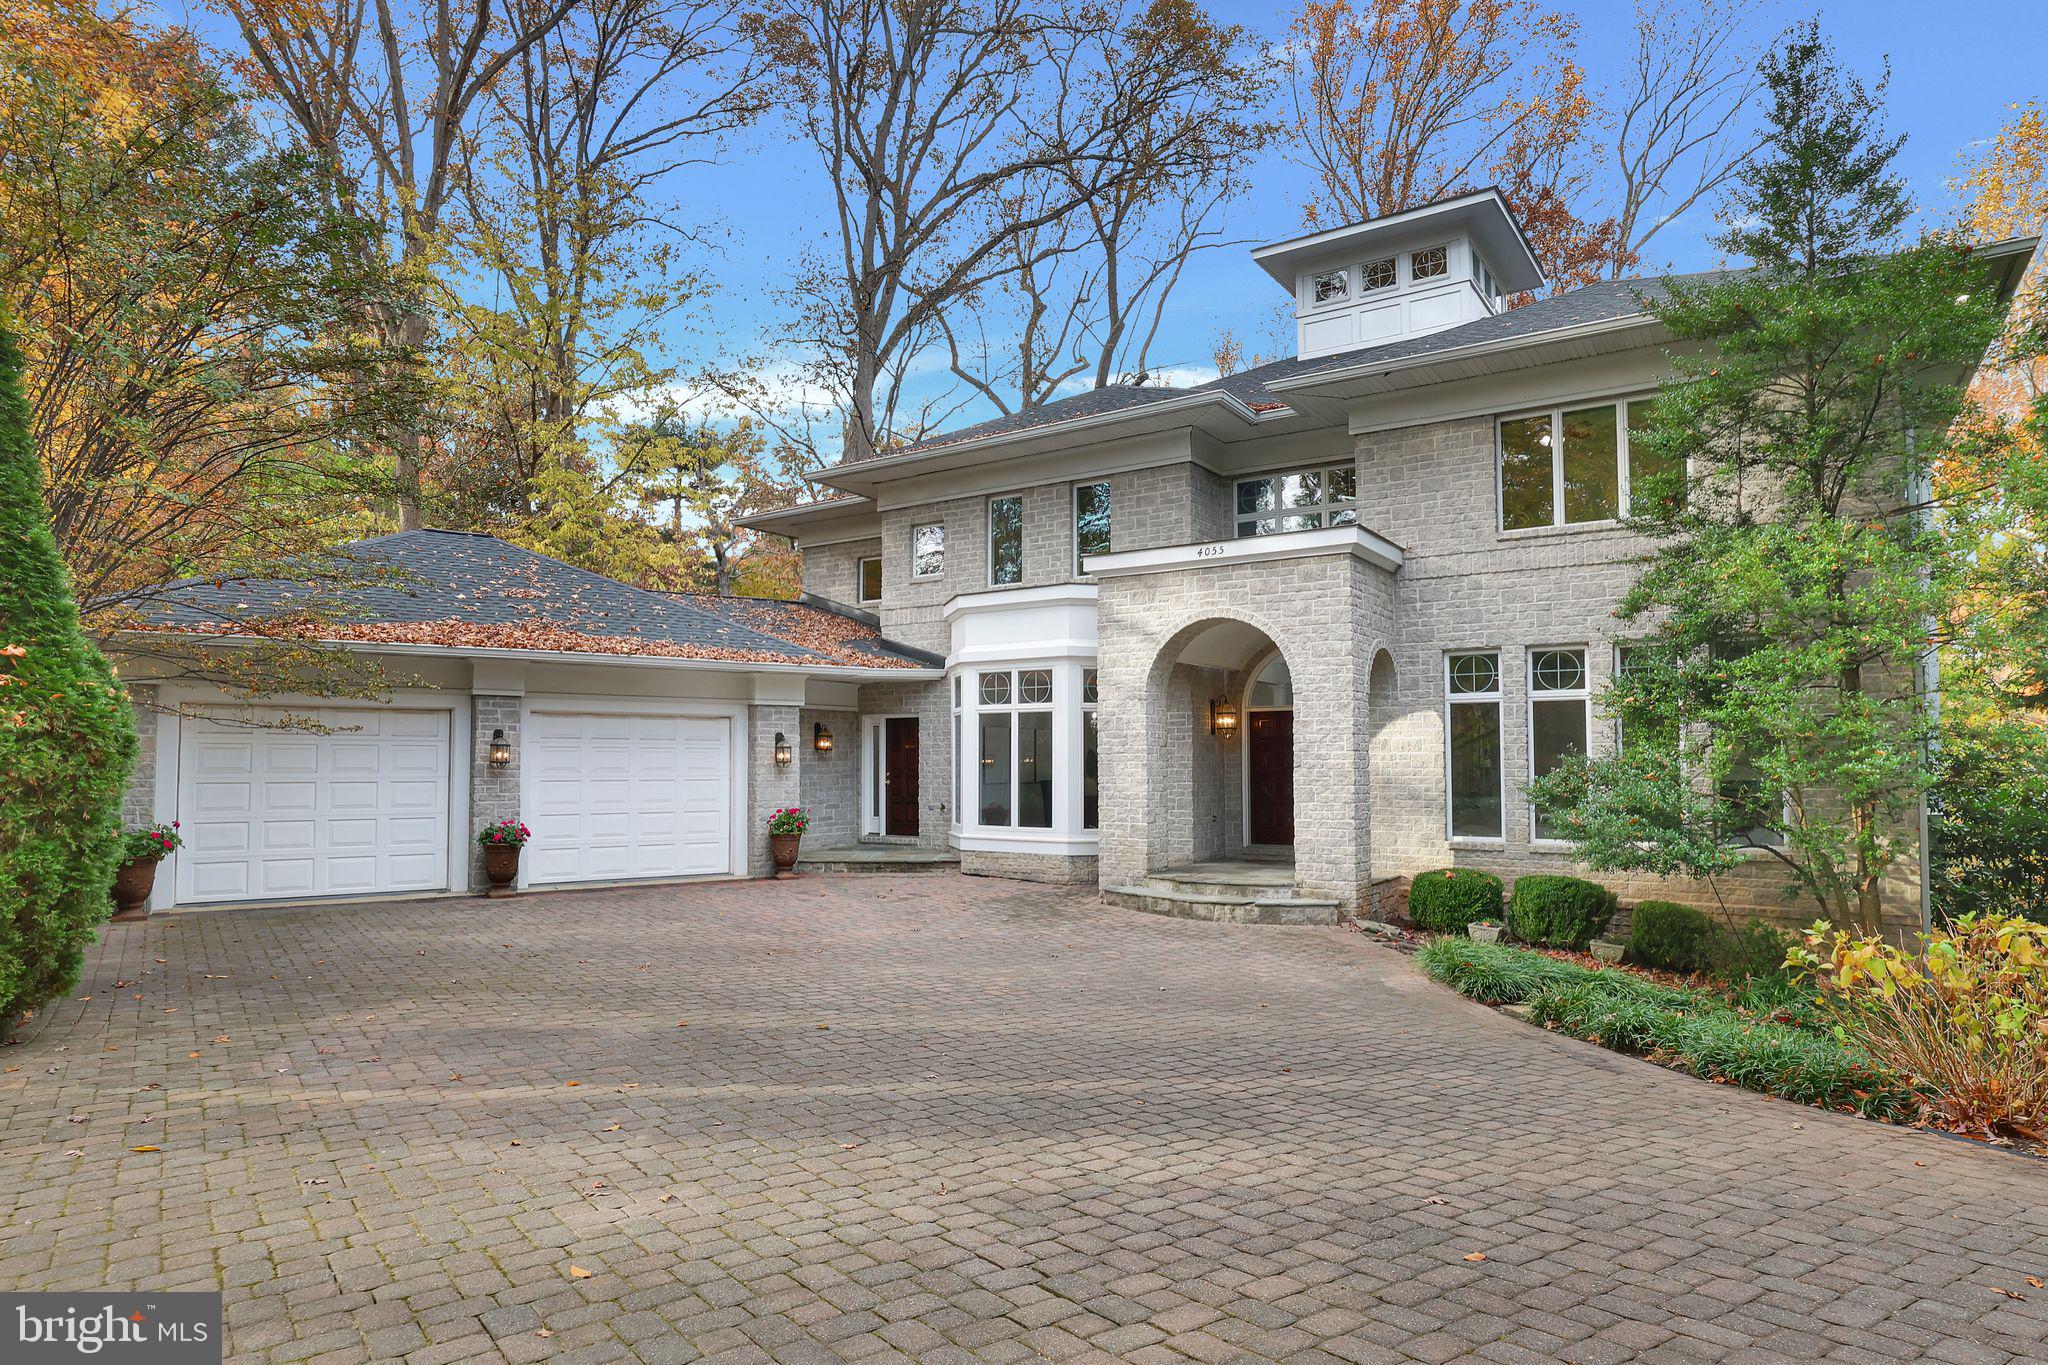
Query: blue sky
x=1955, y=71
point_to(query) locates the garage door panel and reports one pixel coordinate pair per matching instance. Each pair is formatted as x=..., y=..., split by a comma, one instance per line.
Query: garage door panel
x=629, y=796
x=360, y=811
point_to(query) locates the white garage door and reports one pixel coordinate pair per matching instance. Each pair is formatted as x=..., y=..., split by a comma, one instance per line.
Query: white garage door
x=612, y=797
x=272, y=813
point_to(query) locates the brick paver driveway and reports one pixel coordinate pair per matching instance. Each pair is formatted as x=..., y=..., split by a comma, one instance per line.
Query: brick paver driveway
x=931, y=1118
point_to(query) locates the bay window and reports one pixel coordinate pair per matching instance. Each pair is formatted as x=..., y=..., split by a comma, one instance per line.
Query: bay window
x=1016, y=768
x=1303, y=500
x=1473, y=794
x=1560, y=707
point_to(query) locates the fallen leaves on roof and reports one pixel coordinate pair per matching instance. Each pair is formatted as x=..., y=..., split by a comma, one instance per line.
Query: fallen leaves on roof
x=1266, y=406
x=531, y=633
x=828, y=632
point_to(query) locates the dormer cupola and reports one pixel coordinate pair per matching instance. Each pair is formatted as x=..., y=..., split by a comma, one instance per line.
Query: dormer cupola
x=1403, y=275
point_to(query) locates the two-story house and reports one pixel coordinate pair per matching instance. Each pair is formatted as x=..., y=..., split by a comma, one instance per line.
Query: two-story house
x=1319, y=621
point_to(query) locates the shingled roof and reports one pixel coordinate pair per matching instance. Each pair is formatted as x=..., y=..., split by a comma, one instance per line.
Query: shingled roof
x=1608, y=300
x=465, y=590
x=848, y=638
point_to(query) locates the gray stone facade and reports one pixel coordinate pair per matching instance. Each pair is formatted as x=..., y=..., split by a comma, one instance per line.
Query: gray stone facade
x=770, y=786
x=829, y=783
x=929, y=702
x=493, y=792
x=138, y=799
x=833, y=571
x=1032, y=867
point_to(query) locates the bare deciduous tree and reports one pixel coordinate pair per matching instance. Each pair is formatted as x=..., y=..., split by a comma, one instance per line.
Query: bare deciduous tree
x=953, y=134
x=1679, y=132
x=384, y=95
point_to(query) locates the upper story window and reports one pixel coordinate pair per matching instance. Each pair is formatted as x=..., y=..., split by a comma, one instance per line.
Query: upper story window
x=1091, y=522
x=1570, y=466
x=871, y=580
x=1005, y=540
x=1332, y=286
x=1377, y=274
x=928, y=551
x=1305, y=500
x=1429, y=263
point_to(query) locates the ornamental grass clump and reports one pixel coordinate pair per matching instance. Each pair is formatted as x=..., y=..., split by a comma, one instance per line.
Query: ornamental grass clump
x=1965, y=1017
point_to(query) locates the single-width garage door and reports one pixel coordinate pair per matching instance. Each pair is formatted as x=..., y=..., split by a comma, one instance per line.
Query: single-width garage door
x=270, y=813
x=612, y=797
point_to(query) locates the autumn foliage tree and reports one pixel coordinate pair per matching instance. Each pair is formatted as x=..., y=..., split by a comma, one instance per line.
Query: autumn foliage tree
x=1400, y=102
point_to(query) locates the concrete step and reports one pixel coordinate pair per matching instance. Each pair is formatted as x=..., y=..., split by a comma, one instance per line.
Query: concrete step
x=1221, y=888
x=1224, y=909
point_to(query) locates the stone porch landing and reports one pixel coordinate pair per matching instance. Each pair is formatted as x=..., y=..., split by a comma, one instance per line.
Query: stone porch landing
x=1256, y=889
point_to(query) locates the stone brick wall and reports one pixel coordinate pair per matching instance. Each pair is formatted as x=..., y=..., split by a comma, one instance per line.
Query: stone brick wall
x=138, y=800
x=829, y=783
x=833, y=571
x=931, y=704
x=1032, y=867
x=769, y=787
x=493, y=792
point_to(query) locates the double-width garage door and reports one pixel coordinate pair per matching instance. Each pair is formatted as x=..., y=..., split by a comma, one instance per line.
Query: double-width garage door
x=271, y=814
x=612, y=797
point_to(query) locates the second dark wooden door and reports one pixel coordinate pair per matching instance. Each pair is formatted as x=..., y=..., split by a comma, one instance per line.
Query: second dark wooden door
x=899, y=742
x=1270, y=754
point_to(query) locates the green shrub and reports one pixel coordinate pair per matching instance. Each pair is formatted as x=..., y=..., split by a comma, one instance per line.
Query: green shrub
x=65, y=748
x=1715, y=1043
x=1559, y=912
x=1445, y=901
x=1756, y=949
x=1672, y=937
x=1492, y=972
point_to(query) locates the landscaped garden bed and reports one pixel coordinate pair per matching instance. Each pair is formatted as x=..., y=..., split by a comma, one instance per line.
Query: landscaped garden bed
x=1951, y=1036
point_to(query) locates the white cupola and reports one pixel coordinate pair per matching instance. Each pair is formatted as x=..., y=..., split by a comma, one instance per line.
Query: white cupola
x=1403, y=275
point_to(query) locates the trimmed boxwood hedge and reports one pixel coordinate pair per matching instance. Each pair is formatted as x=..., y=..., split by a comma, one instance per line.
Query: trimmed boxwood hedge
x=1559, y=912
x=1445, y=901
x=1673, y=937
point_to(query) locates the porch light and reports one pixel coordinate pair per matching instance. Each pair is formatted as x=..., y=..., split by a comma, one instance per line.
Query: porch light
x=821, y=738
x=1222, y=718
x=501, y=750
x=783, y=756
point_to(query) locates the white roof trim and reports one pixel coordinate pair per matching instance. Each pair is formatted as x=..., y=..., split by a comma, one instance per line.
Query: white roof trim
x=1355, y=540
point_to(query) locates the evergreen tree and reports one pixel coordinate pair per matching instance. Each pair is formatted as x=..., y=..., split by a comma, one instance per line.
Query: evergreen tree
x=67, y=739
x=1798, y=577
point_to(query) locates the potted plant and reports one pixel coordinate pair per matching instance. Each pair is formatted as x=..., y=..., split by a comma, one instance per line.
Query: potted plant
x=141, y=850
x=1483, y=931
x=501, y=843
x=785, y=836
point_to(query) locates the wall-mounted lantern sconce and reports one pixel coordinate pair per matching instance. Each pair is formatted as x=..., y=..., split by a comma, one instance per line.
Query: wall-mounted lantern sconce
x=501, y=750
x=783, y=756
x=1222, y=718
x=821, y=738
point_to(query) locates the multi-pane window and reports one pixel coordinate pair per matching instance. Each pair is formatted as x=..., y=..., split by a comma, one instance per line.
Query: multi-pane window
x=1015, y=749
x=871, y=580
x=1472, y=685
x=1091, y=807
x=1091, y=522
x=928, y=551
x=1005, y=540
x=1743, y=790
x=1570, y=466
x=1332, y=286
x=1560, y=706
x=1429, y=263
x=1302, y=501
x=1377, y=274
x=1640, y=734
x=1652, y=476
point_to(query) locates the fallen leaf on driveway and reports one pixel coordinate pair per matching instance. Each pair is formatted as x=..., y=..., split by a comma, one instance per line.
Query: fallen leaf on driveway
x=2035, y=1281
x=1476, y=1256
x=2009, y=1294
x=609, y=1128
x=544, y=1332
x=145, y=1149
x=575, y=1082
x=666, y=1199
x=74, y=1152
x=577, y=1272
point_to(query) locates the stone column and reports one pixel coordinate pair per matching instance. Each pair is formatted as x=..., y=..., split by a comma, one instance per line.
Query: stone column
x=769, y=787
x=493, y=792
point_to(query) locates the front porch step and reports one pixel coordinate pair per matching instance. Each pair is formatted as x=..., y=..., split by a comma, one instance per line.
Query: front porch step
x=1223, y=908
x=878, y=858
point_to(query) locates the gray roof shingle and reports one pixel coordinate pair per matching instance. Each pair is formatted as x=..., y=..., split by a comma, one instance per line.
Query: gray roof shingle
x=478, y=583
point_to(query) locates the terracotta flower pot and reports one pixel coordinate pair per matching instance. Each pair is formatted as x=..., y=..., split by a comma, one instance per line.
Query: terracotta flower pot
x=132, y=885
x=501, y=865
x=783, y=848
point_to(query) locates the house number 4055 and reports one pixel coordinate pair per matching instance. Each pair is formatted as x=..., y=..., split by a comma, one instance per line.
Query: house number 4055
x=1208, y=551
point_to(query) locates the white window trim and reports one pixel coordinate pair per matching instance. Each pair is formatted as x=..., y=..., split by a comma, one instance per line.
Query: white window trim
x=1066, y=836
x=1409, y=263
x=874, y=771
x=1074, y=521
x=1309, y=302
x=988, y=521
x=1322, y=507
x=1583, y=694
x=860, y=579
x=1499, y=699
x=1087, y=708
x=940, y=572
x=1554, y=414
x=1393, y=284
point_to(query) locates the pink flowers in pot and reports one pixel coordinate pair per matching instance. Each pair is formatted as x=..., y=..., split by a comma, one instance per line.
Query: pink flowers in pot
x=151, y=843
x=789, y=820
x=504, y=834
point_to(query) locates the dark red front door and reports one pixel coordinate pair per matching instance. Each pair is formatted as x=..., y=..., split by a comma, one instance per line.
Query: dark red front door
x=1270, y=754
x=899, y=740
